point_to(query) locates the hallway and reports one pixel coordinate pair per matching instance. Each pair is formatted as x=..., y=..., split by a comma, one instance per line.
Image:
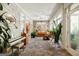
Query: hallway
x=20, y=21
x=39, y=47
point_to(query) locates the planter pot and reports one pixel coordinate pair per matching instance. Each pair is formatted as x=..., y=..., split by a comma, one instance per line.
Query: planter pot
x=32, y=36
x=1, y=50
x=4, y=50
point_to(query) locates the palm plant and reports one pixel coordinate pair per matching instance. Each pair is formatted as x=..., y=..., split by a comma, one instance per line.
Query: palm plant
x=4, y=33
x=57, y=31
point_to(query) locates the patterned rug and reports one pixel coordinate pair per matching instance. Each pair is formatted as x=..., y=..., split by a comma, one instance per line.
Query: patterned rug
x=39, y=47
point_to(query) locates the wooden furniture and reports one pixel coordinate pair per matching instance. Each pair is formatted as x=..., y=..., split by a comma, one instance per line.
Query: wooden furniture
x=15, y=45
x=24, y=35
x=46, y=38
x=42, y=33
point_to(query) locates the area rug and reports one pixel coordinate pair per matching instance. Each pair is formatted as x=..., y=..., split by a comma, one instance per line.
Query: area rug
x=39, y=47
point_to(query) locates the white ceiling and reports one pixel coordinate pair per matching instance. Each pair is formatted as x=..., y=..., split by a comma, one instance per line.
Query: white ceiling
x=37, y=11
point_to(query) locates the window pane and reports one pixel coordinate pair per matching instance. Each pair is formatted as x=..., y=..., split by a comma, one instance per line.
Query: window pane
x=74, y=31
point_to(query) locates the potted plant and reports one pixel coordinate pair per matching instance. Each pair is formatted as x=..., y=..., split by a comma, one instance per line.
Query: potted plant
x=33, y=34
x=4, y=34
x=57, y=32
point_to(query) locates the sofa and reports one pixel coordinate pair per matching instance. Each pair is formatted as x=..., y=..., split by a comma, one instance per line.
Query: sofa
x=42, y=33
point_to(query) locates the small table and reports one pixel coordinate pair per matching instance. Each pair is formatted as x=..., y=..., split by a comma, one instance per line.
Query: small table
x=46, y=37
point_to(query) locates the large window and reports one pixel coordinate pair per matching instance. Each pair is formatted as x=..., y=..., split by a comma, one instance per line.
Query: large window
x=74, y=29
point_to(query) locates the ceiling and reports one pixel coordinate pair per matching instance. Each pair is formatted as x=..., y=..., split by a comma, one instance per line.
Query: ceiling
x=37, y=11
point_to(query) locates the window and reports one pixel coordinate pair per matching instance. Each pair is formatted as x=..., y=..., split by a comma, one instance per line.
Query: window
x=74, y=29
